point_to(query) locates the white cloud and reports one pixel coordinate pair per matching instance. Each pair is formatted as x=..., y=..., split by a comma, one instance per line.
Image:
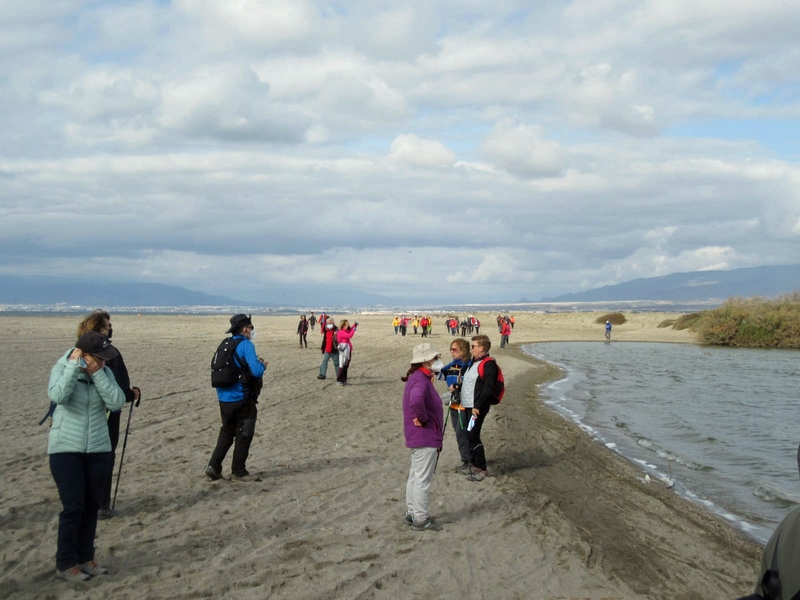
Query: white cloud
x=412, y=150
x=523, y=151
x=548, y=147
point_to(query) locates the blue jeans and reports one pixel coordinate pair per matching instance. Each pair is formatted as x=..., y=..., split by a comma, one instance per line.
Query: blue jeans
x=323, y=368
x=80, y=479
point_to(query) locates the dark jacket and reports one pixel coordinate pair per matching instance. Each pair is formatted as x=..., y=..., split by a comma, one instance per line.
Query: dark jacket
x=120, y=371
x=329, y=341
x=484, y=386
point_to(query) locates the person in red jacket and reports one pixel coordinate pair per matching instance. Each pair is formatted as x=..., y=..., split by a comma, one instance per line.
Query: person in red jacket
x=505, y=331
x=328, y=347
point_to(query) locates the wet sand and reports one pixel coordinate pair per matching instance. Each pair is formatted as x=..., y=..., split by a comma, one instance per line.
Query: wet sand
x=560, y=517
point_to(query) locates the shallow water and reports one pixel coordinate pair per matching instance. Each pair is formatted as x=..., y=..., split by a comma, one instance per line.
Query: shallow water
x=719, y=423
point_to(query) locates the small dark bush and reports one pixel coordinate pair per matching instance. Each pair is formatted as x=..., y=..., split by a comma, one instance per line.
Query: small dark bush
x=614, y=318
x=686, y=321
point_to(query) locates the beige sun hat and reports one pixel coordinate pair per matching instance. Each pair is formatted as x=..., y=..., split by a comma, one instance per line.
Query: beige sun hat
x=423, y=353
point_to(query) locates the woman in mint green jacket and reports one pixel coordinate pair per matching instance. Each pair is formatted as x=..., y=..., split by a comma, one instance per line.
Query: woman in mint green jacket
x=82, y=388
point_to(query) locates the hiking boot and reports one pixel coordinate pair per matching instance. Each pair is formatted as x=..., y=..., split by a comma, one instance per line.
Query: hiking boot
x=464, y=469
x=320, y=376
x=73, y=574
x=106, y=513
x=478, y=475
x=427, y=525
x=408, y=519
x=213, y=474
x=92, y=568
x=245, y=477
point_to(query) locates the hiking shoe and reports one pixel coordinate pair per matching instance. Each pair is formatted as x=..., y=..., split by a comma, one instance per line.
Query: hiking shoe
x=320, y=376
x=245, y=477
x=408, y=519
x=106, y=513
x=340, y=383
x=478, y=475
x=92, y=568
x=427, y=525
x=73, y=574
x=464, y=469
x=213, y=474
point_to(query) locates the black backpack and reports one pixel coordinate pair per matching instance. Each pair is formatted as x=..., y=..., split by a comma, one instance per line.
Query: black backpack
x=225, y=368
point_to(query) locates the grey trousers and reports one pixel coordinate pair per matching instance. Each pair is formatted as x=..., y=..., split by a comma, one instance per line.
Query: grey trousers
x=423, y=462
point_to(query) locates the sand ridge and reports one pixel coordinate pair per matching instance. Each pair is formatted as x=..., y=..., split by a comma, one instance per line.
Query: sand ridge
x=561, y=517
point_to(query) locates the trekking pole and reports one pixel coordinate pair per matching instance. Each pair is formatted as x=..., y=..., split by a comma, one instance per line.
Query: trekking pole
x=124, y=444
x=444, y=428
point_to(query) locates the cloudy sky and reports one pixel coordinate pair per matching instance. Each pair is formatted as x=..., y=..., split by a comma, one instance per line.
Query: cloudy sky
x=458, y=149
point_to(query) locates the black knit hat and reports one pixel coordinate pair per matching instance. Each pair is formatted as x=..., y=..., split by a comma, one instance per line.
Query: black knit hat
x=239, y=322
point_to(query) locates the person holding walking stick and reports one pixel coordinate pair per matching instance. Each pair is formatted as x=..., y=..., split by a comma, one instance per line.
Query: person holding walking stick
x=100, y=322
x=452, y=374
x=79, y=447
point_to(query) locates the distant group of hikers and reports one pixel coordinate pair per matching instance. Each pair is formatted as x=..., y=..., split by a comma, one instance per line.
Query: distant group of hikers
x=422, y=324
x=89, y=385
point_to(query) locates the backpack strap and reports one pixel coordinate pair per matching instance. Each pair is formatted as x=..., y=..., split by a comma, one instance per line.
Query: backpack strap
x=49, y=414
x=482, y=363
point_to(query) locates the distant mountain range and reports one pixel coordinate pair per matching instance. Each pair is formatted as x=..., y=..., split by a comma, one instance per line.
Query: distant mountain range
x=698, y=286
x=702, y=286
x=54, y=291
x=21, y=290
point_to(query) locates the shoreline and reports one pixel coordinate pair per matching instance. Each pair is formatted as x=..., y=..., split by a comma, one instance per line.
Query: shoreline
x=561, y=515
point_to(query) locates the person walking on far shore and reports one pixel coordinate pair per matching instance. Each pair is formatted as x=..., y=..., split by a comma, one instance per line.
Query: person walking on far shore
x=302, y=331
x=505, y=331
x=608, y=330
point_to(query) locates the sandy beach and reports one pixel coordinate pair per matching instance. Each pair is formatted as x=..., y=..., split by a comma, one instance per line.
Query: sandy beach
x=560, y=517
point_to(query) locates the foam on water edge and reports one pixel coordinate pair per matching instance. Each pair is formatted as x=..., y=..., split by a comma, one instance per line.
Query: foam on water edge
x=553, y=399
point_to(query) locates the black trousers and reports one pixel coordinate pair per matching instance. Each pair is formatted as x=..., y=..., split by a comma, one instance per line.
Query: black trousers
x=79, y=478
x=477, y=456
x=238, y=428
x=341, y=373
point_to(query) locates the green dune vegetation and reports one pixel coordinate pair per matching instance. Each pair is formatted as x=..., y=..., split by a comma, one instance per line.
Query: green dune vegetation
x=614, y=318
x=748, y=323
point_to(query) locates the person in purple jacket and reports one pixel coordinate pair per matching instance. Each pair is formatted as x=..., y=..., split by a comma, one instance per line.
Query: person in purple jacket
x=422, y=425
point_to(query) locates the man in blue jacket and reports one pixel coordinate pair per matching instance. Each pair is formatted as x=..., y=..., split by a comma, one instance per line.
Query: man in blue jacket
x=237, y=405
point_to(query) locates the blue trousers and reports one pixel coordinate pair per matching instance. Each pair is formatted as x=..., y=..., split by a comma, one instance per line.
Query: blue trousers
x=323, y=368
x=80, y=479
